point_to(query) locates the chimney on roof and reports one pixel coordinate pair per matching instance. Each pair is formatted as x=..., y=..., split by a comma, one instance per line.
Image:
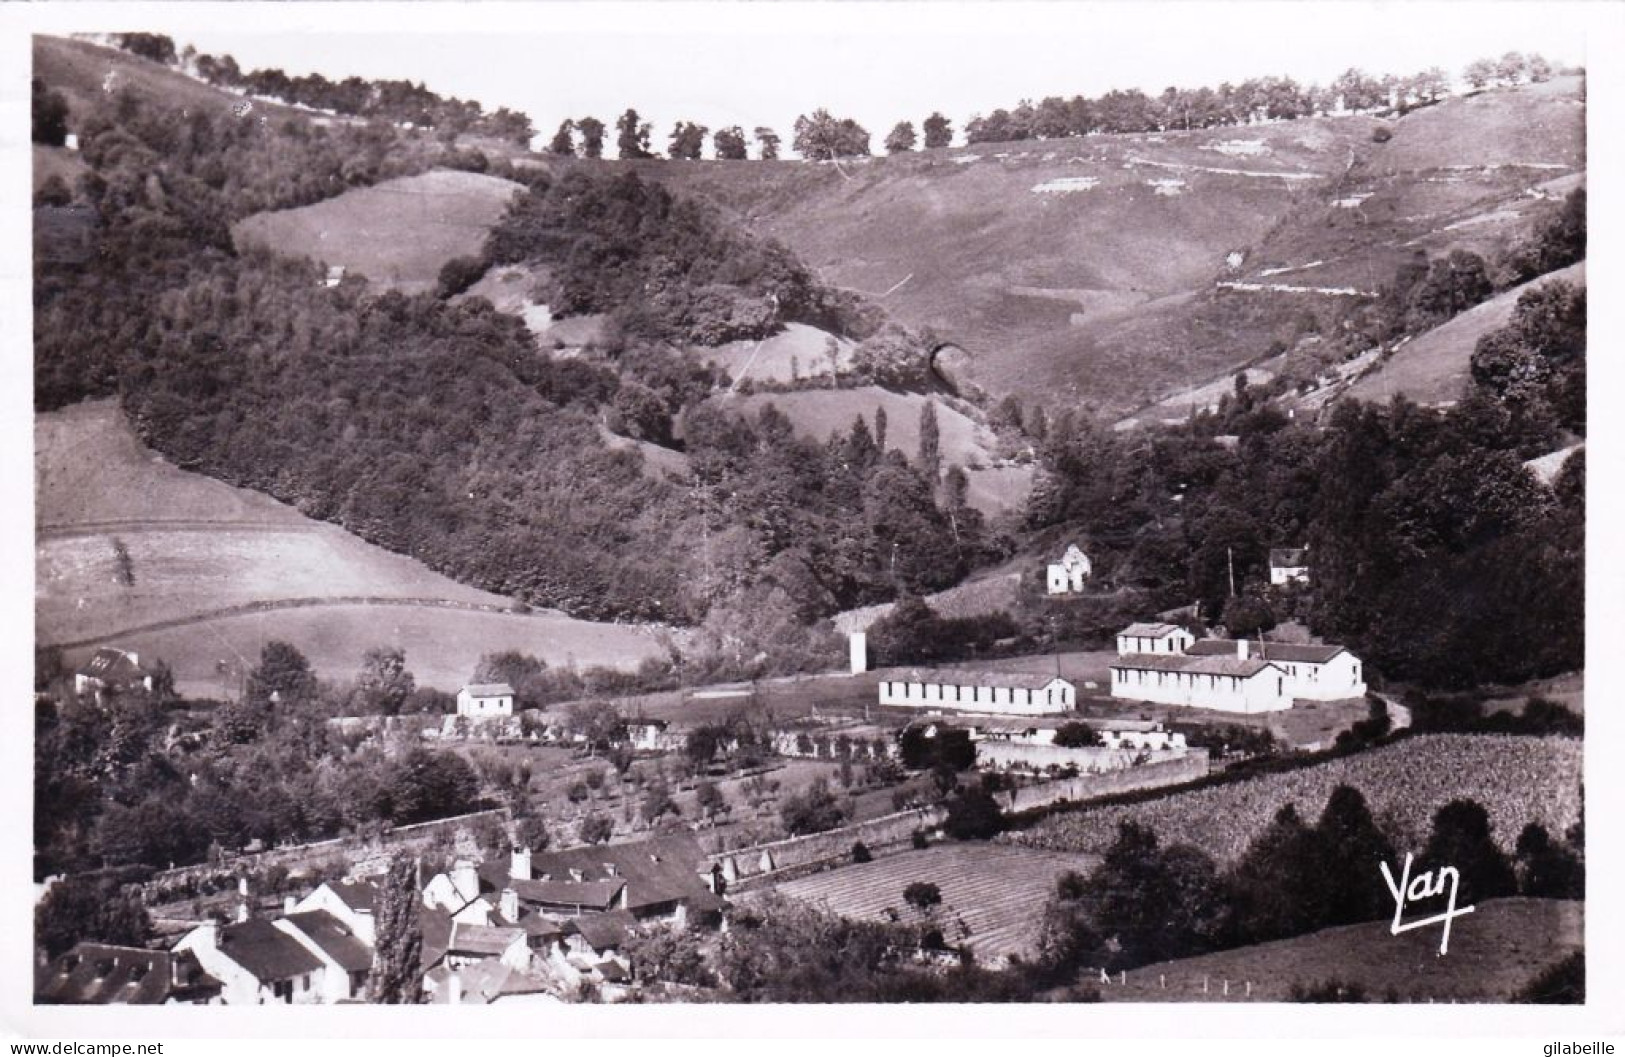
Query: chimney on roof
x=454, y=989
x=1241, y=649
x=242, y=911
x=519, y=864
x=242, y=887
x=510, y=905
x=288, y=905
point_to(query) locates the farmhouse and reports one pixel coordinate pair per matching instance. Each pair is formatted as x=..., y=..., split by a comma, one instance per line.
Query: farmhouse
x=1153, y=638
x=101, y=974
x=351, y=902
x=482, y=700
x=662, y=878
x=111, y=669
x=1013, y=693
x=346, y=960
x=1289, y=565
x=1067, y=575
x=1313, y=673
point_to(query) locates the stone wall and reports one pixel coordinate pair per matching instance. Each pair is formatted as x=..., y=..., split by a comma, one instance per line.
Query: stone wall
x=1187, y=767
x=1033, y=756
x=795, y=853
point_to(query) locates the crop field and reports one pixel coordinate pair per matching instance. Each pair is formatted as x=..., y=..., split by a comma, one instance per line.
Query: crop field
x=206, y=560
x=820, y=413
x=1495, y=952
x=1435, y=367
x=992, y=894
x=397, y=233
x=1517, y=780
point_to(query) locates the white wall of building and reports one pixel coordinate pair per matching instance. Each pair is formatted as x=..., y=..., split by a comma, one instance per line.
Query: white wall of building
x=1341, y=677
x=359, y=922
x=1175, y=642
x=1265, y=691
x=1057, y=696
x=241, y=987
x=481, y=707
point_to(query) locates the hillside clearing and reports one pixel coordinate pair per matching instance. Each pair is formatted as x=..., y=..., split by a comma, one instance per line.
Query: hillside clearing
x=797, y=352
x=1495, y=952
x=398, y=233
x=1435, y=367
x=991, y=894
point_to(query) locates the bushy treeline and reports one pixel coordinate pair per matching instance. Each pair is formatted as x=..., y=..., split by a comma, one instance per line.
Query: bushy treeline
x=1149, y=902
x=391, y=100
x=129, y=781
x=668, y=268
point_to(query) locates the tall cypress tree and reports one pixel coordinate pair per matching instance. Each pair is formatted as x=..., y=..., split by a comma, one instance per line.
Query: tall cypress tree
x=396, y=975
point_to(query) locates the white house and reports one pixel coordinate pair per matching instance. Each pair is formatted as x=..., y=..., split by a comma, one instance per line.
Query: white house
x=257, y=963
x=481, y=700
x=1153, y=638
x=110, y=668
x=345, y=959
x=458, y=894
x=349, y=901
x=1067, y=575
x=1237, y=683
x=1016, y=693
x=1313, y=673
x=1289, y=565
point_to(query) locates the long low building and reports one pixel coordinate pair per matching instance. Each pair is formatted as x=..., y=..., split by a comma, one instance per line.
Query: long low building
x=1009, y=693
x=1227, y=684
x=1313, y=673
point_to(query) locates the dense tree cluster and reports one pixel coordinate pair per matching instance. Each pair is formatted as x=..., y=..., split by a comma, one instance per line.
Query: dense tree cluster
x=118, y=785
x=821, y=136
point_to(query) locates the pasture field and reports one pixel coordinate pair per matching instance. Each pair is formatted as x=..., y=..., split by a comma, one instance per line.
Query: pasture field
x=442, y=645
x=796, y=352
x=397, y=233
x=821, y=413
x=1435, y=367
x=991, y=894
x=206, y=558
x=1495, y=952
x=1517, y=780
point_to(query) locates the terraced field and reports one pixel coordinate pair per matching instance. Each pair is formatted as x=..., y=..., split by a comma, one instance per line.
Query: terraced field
x=991, y=894
x=1517, y=780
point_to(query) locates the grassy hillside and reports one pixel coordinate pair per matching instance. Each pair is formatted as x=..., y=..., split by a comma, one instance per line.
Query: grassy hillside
x=201, y=548
x=1089, y=271
x=1434, y=368
x=995, y=486
x=397, y=233
x=1495, y=952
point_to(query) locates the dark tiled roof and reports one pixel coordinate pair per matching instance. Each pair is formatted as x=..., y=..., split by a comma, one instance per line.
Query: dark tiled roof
x=1149, y=631
x=100, y=974
x=605, y=931
x=266, y=951
x=436, y=926
x=335, y=940
x=357, y=895
x=491, y=940
x=969, y=677
x=656, y=871
x=1158, y=662
x=597, y=895
x=1269, y=651
x=539, y=926
x=112, y=666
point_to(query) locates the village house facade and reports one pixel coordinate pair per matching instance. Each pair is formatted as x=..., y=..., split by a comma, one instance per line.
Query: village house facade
x=257, y=963
x=1153, y=638
x=111, y=669
x=1313, y=673
x=1289, y=565
x=485, y=700
x=1068, y=575
x=1230, y=675
x=1008, y=693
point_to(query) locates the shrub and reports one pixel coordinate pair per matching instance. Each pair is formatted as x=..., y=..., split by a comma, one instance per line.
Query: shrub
x=1382, y=134
x=860, y=853
x=458, y=274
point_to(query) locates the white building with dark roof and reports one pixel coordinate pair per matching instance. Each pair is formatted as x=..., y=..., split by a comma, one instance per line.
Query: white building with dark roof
x=111, y=669
x=1313, y=673
x=257, y=963
x=1237, y=683
x=483, y=700
x=1153, y=638
x=1008, y=693
x=1289, y=565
